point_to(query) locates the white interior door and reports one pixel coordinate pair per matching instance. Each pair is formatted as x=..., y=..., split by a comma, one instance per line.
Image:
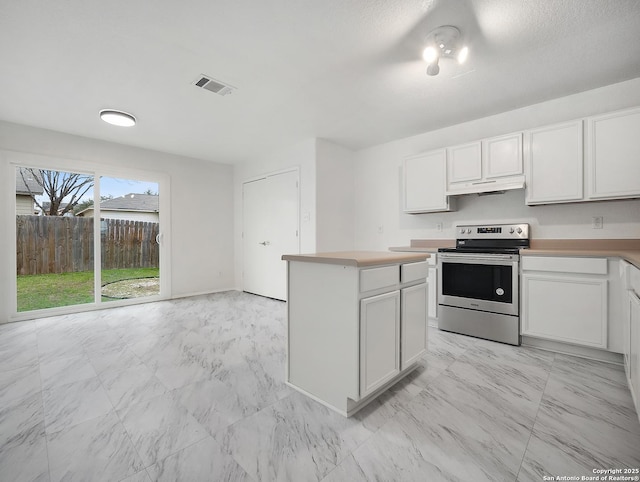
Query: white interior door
x=271, y=229
x=255, y=263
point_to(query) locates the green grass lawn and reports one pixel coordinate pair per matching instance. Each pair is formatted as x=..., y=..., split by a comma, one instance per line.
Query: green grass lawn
x=36, y=292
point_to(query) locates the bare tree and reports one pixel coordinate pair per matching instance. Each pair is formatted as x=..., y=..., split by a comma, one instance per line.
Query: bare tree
x=58, y=186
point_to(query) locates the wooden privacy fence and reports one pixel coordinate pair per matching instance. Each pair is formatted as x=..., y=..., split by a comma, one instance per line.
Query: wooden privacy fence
x=54, y=244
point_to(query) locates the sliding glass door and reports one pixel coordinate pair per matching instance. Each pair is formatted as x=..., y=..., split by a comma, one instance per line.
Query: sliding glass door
x=129, y=238
x=54, y=248
x=85, y=239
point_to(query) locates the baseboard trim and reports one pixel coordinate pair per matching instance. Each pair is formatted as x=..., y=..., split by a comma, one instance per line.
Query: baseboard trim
x=573, y=350
x=201, y=293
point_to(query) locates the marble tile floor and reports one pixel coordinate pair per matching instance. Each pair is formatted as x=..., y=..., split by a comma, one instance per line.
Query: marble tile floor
x=193, y=389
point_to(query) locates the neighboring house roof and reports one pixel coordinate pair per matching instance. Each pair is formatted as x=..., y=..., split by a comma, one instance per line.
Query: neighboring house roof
x=133, y=202
x=130, y=202
x=30, y=187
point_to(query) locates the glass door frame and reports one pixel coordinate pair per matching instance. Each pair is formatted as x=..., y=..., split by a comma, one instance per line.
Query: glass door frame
x=20, y=159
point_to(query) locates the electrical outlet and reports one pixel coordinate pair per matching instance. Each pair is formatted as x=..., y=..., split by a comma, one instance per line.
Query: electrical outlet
x=439, y=227
x=597, y=222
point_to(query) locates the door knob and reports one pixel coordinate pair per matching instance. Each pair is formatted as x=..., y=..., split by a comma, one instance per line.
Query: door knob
x=265, y=243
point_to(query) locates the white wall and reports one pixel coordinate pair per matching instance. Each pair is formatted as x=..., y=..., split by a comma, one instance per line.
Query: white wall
x=380, y=223
x=334, y=197
x=301, y=156
x=326, y=194
x=201, y=239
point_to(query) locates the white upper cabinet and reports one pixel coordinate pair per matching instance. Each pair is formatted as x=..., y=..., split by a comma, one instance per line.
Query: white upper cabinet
x=424, y=182
x=464, y=163
x=567, y=162
x=613, y=155
x=553, y=163
x=489, y=165
x=502, y=156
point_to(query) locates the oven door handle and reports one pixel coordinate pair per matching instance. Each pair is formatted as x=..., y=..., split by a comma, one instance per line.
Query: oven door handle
x=466, y=257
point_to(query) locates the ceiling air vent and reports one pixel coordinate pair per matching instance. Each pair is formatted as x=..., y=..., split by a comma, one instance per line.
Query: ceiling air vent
x=215, y=86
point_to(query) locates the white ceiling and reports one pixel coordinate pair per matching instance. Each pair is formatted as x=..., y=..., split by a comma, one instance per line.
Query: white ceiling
x=346, y=70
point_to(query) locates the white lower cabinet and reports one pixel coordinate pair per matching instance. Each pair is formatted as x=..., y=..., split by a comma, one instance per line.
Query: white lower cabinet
x=632, y=359
x=379, y=341
x=414, y=324
x=634, y=348
x=432, y=281
x=565, y=299
x=354, y=331
x=626, y=320
x=393, y=333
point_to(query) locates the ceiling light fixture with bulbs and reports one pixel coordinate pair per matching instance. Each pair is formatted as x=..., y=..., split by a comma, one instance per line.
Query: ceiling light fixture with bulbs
x=443, y=42
x=117, y=118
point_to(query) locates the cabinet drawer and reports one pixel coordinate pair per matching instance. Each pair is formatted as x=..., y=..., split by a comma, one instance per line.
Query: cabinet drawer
x=634, y=280
x=376, y=278
x=558, y=264
x=414, y=271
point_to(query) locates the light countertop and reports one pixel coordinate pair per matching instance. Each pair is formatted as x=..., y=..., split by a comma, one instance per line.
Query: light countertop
x=631, y=256
x=412, y=249
x=358, y=258
x=627, y=249
x=425, y=245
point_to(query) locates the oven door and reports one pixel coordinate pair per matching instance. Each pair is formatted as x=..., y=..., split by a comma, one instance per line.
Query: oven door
x=485, y=282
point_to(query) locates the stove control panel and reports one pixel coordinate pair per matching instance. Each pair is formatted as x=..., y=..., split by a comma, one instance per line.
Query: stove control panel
x=494, y=231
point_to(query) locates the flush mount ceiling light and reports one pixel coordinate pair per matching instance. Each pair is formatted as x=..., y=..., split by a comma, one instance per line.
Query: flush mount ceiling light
x=443, y=42
x=117, y=118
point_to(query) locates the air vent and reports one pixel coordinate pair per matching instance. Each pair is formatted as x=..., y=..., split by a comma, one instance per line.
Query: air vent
x=215, y=86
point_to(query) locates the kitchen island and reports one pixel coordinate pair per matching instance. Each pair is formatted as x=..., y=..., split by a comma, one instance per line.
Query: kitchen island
x=357, y=323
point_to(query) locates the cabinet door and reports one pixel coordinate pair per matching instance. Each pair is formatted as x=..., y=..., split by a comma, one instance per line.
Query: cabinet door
x=413, y=324
x=432, y=281
x=614, y=155
x=634, y=355
x=464, y=163
x=379, y=341
x=502, y=156
x=626, y=333
x=567, y=309
x=554, y=160
x=425, y=183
